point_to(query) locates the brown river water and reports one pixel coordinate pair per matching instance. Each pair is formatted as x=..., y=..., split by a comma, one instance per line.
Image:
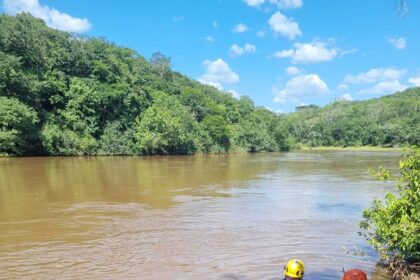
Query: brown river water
x=194, y=217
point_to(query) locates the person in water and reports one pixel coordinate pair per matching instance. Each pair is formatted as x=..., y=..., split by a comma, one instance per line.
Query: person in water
x=354, y=274
x=294, y=270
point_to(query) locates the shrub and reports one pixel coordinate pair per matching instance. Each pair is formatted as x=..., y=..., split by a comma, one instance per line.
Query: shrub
x=392, y=227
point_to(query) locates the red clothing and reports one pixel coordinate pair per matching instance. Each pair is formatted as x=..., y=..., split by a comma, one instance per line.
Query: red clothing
x=355, y=274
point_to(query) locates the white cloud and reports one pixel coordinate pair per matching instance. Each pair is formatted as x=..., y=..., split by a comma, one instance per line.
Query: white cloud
x=398, y=43
x=267, y=10
x=314, y=52
x=178, y=18
x=254, y=3
x=209, y=39
x=287, y=4
x=293, y=71
x=240, y=28
x=348, y=51
x=51, y=16
x=284, y=26
x=342, y=87
x=281, y=4
x=384, y=80
x=346, y=97
x=301, y=87
x=415, y=81
x=218, y=72
x=215, y=24
x=261, y=34
x=383, y=88
x=375, y=75
x=284, y=54
x=236, y=50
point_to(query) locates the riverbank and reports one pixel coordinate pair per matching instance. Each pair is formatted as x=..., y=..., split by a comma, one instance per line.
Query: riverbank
x=403, y=271
x=354, y=148
x=243, y=151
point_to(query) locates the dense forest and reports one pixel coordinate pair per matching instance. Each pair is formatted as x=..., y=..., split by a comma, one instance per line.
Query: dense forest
x=388, y=121
x=63, y=94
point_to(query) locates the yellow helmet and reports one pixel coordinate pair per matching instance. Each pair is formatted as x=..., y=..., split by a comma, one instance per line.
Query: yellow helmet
x=294, y=268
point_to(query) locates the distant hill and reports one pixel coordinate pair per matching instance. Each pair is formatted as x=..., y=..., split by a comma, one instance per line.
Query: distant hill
x=391, y=120
x=62, y=94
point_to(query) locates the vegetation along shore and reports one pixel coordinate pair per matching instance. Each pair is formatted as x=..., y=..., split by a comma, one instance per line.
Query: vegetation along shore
x=392, y=226
x=63, y=94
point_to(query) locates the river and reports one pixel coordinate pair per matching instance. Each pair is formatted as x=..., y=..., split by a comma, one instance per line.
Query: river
x=238, y=216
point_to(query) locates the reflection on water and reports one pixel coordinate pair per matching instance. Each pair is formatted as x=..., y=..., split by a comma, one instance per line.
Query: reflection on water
x=200, y=217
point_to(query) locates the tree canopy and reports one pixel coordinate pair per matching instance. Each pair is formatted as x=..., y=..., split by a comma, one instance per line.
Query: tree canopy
x=388, y=121
x=63, y=94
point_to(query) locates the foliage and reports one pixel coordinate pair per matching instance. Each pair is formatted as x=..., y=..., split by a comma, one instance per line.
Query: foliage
x=116, y=140
x=162, y=65
x=388, y=121
x=57, y=140
x=218, y=130
x=255, y=134
x=62, y=94
x=92, y=97
x=392, y=227
x=17, y=127
x=166, y=127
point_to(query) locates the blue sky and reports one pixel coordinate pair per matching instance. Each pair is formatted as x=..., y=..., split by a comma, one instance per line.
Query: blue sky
x=281, y=53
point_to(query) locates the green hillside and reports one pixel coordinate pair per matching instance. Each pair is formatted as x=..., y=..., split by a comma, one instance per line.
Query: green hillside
x=392, y=120
x=67, y=95
x=62, y=94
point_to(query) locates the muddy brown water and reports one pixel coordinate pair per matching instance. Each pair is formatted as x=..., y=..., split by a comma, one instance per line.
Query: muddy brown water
x=194, y=217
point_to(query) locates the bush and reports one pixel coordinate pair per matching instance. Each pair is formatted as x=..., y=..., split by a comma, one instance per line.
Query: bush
x=116, y=141
x=59, y=141
x=393, y=227
x=165, y=128
x=18, y=133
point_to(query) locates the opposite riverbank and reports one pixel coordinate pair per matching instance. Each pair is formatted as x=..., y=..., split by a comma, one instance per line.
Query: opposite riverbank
x=299, y=148
x=361, y=148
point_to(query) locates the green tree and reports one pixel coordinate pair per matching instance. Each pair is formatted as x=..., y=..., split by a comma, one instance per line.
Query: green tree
x=116, y=140
x=162, y=65
x=282, y=137
x=18, y=131
x=392, y=227
x=166, y=127
x=81, y=111
x=87, y=91
x=255, y=134
x=218, y=130
x=13, y=82
x=57, y=140
x=196, y=102
x=73, y=130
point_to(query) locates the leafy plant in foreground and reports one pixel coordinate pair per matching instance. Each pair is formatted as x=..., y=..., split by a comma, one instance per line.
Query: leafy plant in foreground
x=392, y=227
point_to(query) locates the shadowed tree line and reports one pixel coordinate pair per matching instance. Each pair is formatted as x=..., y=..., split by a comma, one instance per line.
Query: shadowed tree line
x=62, y=94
